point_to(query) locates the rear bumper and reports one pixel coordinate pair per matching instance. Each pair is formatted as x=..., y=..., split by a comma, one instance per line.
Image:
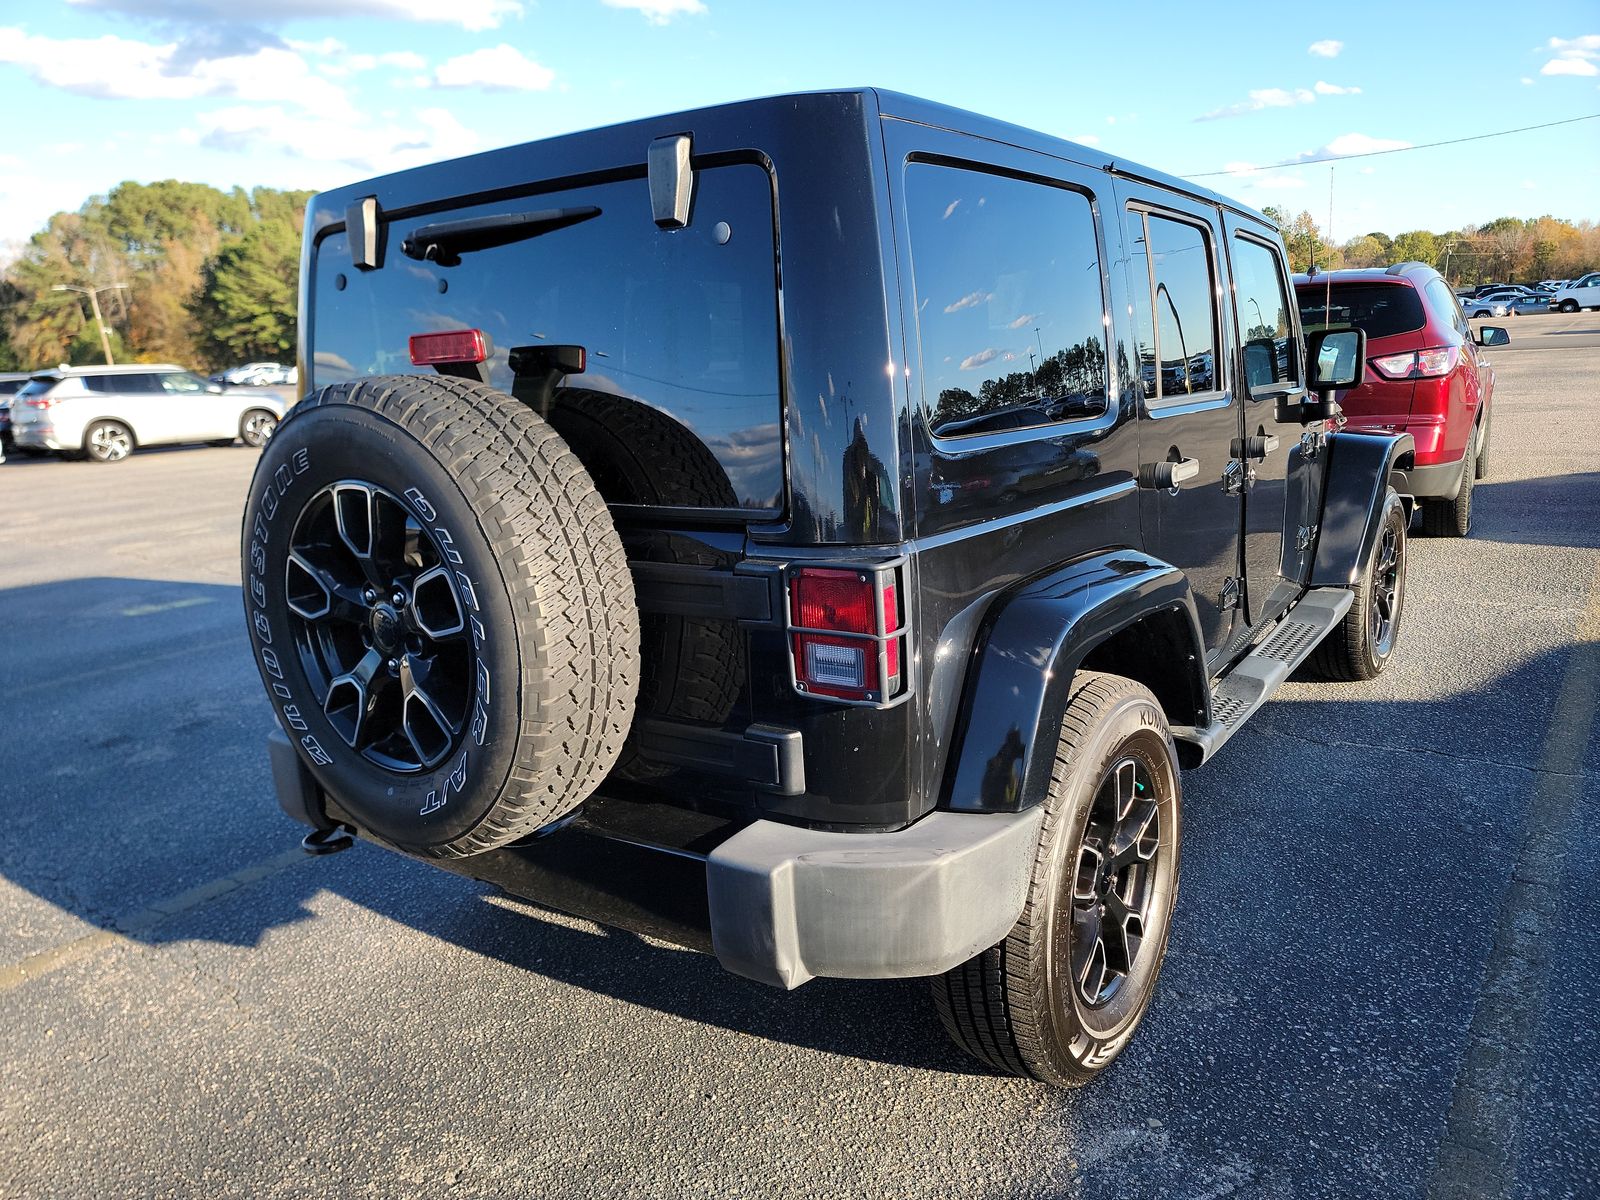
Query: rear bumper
x=775, y=903
x=1441, y=481
x=40, y=437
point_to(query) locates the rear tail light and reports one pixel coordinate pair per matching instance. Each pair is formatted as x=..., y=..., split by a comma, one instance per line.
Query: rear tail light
x=44, y=401
x=1418, y=364
x=847, y=633
x=454, y=346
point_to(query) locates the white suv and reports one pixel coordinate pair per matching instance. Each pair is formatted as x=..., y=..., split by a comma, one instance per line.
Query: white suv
x=103, y=413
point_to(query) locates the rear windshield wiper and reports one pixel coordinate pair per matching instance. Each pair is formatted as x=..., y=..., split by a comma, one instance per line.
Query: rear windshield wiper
x=444, y=243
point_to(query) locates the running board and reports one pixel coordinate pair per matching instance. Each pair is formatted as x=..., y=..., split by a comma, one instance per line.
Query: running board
x=1253, y=679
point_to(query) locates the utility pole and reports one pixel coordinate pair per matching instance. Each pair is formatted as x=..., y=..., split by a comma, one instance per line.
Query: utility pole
x=94, y=306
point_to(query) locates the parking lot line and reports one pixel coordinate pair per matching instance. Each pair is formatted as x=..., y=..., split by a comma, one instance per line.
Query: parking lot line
x=1477, y=1156
x=142, y=923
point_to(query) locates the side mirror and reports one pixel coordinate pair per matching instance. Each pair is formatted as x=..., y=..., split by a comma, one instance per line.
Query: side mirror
x=1492, y=335
x=1337, y=359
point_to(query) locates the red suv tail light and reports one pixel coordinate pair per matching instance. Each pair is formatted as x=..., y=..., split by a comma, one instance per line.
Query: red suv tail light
x=453, y=346
x=847, y=633
x=43, y=401
x=1418, y=364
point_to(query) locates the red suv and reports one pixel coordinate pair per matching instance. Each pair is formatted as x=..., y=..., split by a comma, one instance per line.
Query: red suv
x=1425, y=376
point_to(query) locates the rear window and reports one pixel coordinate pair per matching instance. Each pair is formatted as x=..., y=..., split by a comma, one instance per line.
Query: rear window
x=682, y=325
x=36, y=387
x=1380, y=309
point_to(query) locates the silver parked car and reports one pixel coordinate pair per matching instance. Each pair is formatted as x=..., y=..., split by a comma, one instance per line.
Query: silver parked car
x=105, y=413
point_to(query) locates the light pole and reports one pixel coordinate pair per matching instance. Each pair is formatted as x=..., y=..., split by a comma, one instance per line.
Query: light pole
x=94, y=305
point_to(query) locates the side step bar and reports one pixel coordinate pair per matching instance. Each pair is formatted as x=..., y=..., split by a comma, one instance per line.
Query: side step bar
x=1252, y=680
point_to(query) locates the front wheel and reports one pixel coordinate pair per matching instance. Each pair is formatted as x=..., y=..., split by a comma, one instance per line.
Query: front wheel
x=1060, y=998
x=1362, y=644
x=1569, y=306
x=257, y=426
x=108, y=441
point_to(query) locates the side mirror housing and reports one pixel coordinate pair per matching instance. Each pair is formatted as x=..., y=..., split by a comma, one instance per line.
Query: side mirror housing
x=1336, y=359
x=1492, y=335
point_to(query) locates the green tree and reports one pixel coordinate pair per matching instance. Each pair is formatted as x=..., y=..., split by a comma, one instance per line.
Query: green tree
x=1368, y=250
x=247, y=302
x=1416, y=245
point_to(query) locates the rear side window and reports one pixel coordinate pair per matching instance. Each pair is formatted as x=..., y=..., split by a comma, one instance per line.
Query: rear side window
x=140, y=383
x=1261, y=297
x=10, y=387
x=1010, y=305
x=1174, y=300
x=1381, y=309
x=1446, y=308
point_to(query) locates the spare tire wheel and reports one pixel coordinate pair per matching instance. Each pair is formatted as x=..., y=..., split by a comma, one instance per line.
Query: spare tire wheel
x=441, y=610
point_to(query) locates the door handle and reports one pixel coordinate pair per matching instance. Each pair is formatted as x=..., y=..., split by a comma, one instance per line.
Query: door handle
x=1166, y=475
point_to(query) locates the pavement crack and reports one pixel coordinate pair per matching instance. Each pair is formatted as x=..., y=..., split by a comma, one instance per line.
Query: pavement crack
x=1473, y=759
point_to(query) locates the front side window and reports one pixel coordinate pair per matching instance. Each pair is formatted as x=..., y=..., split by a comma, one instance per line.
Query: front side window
x=1174, y=305
x=1271, y=357
x=1010, y=303
x=183, y=382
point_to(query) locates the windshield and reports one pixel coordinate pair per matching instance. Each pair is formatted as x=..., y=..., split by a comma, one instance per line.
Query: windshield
x=1381, y=309
x=683, y=324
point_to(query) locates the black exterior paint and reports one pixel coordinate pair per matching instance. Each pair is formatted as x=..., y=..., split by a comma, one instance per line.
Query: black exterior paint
x=997, y=590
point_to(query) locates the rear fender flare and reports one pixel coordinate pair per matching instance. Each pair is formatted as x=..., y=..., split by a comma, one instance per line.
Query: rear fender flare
x=1362, y=466
x=1021, y=678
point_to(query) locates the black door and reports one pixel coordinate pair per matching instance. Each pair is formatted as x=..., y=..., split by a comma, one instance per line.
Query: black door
x=1190, y=410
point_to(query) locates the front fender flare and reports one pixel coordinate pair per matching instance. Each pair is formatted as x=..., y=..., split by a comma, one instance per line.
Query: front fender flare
x=1021, y=679
x=1359, y=471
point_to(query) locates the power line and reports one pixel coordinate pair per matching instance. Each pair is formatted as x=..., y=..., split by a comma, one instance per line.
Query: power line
x=1306, y=162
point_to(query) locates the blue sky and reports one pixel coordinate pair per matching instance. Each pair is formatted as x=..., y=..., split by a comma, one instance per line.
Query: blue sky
x=314, y=93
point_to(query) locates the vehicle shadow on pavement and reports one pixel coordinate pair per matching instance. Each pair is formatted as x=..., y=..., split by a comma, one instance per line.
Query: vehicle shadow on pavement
x=1552, y=510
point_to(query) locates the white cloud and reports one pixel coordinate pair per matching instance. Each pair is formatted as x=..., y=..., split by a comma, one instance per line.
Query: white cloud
x=1347, y=144
x=1327, y=48
x=1573, y=56
x=1333, y=89
x=351, y=64
x=970, y=300
x=355, y=142
x=472, y=15
x=1526, y=81
x=116, y=68
x=1262, y=98
x=973, y=361
x=1250, y=176
x=499, y=68
x=949, y=209
x=660, y=12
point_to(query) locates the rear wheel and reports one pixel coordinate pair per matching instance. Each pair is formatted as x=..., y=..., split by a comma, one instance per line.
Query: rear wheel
x=1480, y=464
x=1451, y=518
x=107, y=441
x=1361, y=645
x=257, y=426
x=1060, y=998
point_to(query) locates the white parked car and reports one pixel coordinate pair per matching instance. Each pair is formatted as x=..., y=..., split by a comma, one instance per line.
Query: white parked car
x=261, y=374
x=1583, y=292
x=105, y=413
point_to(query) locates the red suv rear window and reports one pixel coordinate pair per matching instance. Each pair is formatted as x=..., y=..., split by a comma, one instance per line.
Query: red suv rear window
x=1381, y=309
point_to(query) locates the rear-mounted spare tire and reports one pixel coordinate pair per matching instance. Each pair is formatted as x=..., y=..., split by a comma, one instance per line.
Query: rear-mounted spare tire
x=441, y=610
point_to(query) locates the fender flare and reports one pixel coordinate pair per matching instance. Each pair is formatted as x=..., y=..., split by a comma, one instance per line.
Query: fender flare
x=1021, y=678
x=1362, y=466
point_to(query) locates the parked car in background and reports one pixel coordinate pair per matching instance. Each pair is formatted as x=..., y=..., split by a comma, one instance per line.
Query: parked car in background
x=258, y=374
x=1583, y=292
x=10, y=384
x=1427, y=378
x=1481, y=306
x=105, y=413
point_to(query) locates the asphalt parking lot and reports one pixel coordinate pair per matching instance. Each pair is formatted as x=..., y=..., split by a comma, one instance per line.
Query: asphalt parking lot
x=1383, y=978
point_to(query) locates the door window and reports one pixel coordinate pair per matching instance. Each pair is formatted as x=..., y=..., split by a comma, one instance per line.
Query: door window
x=1010, y=301
x=1177, y=323
x=1261, y=297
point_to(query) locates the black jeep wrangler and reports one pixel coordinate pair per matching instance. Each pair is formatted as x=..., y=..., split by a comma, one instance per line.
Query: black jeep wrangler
x=814, y=531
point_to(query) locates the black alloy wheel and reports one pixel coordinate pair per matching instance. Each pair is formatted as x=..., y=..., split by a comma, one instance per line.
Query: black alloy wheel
x=381, y=631
x=1113, y=886
x=1387, y=584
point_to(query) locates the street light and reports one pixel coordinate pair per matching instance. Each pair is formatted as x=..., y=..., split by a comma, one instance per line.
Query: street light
x=94, y=304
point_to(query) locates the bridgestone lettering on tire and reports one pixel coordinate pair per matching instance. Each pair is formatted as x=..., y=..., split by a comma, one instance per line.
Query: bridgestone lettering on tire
x=1060, y=998
x=441, y=610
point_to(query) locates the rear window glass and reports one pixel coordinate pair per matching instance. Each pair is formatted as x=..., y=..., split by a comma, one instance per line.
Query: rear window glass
x=36, y=387
x=680, y=329
x=1380, y=309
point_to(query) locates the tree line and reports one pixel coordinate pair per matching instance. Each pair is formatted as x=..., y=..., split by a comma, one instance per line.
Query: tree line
x=209, y=278
x=1506, y=250
x=184, y=273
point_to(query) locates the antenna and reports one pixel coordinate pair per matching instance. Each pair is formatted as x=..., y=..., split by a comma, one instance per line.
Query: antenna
x=1327, y=296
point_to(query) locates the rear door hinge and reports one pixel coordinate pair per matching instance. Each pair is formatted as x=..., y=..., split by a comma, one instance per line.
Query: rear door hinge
x=1232, y=590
